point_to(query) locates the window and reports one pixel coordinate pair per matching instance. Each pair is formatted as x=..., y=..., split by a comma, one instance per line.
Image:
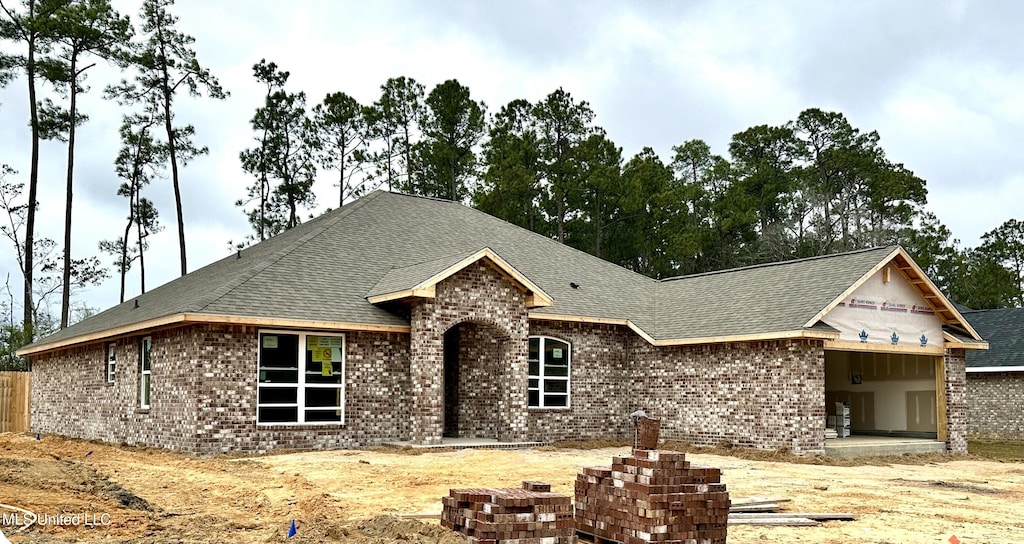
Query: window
x=549, y=373
x=111, y=366
x=301, y=378
x=145, y=370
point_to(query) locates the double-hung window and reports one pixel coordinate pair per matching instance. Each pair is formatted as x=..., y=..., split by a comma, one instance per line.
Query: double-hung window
x=145, y=370
x=549, y=373
x=301, y=378
x=111, y=365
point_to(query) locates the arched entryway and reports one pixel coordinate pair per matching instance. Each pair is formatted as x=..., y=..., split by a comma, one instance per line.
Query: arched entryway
x=476, y=381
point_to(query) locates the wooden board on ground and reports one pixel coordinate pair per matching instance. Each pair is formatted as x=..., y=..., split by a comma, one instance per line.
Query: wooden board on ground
x=819, y=516
x=777, y=522
x=751, y=508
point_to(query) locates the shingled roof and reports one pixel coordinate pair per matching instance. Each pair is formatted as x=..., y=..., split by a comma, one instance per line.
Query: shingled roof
x=323, y=273
x=1004, y=330
x=752, y=300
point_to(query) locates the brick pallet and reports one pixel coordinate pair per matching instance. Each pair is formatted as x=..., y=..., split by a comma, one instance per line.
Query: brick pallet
x=652, y=496
x=532, y=515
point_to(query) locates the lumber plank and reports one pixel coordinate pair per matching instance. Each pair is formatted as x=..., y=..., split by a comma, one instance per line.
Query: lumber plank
x=769, y=507
x=759, y=500
x=819, y=516
x=776, y=522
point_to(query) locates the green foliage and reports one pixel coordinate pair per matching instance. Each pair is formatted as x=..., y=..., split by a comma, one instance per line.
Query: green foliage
x=601, y=196
x=1004, y=246
x=764, y=165
x=283, y=163
x=392, y=122
x=140, y=159
x=562, y=125
x=8, y=66
x=339, y=138
x=452, y=126
x=648, y=209
x=511, y=184
x=13, y=338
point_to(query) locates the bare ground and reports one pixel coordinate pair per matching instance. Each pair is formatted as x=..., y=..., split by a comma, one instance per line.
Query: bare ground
x=154, y=496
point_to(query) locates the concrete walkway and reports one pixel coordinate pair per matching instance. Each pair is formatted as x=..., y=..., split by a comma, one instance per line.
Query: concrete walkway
x=860, y=445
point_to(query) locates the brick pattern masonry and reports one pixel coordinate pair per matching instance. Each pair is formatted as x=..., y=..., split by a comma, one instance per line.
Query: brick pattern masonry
x=652, y=496
x=766, y=394
x=996, y=406
x=532, y=515
x=477, y=294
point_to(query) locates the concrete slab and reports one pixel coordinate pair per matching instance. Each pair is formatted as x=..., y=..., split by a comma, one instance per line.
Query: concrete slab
x=858, y=446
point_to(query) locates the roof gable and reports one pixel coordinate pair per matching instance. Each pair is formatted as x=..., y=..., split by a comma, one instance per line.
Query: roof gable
x=899, y=260
x=420, y=279
x=886, y=309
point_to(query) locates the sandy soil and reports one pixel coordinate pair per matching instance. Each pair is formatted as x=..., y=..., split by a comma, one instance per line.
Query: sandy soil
x=155, y=496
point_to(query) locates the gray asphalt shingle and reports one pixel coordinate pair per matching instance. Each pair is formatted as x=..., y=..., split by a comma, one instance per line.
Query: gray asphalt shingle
x=324, y=269
x=1004, y=331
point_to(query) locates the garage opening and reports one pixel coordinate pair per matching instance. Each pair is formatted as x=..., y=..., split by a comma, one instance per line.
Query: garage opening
x=888, y=394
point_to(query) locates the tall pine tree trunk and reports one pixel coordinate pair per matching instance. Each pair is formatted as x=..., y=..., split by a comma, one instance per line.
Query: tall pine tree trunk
x=33, y=185
x=172, y=151
x=65, y=299
x=124, y=245
x=142, y=250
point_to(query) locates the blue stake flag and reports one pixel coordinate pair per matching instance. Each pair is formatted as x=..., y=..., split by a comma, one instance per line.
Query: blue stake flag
x=291, y=530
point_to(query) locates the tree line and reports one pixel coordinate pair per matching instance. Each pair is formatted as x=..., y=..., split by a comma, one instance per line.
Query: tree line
x=60, y=41
x=815, y=185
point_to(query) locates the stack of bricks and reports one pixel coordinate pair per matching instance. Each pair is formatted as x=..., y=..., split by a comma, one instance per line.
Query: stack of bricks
x=652, y=496
x=531, y=515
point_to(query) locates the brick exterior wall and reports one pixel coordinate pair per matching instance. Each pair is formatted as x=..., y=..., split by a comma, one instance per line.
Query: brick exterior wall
x=70, y=395
x=203, y=393
x=602, y=390
x=767, y=394
x=376, y=386
x=996, y=406
x=755, y=394
x=482, y=295
x=956, y=401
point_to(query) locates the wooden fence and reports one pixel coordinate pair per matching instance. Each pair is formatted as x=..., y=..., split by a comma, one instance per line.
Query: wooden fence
x=15, y=397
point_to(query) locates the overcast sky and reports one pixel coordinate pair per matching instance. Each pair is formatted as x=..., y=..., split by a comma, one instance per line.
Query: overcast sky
x=942, y=83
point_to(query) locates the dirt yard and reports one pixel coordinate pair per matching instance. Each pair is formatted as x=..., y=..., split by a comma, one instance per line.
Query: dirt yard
x=152, y=496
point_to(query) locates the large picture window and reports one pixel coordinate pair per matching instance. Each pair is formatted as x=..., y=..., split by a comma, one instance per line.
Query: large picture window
x=549, y=373
x=145, y=370
x=301, y=378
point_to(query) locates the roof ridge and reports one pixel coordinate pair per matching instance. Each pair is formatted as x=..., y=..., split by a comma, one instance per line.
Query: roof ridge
x=526, y=230
x=779, y=263
x=327, y=220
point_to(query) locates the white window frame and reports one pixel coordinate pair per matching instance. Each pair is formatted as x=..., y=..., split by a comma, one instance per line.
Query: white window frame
x=111, y=363
x=541, y=378
x=145, y=374
x=301, y=385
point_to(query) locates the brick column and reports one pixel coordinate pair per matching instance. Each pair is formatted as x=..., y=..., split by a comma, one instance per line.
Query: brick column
x=481, y=295
x=426, y=375
x=956, y=401
x=512, y=406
